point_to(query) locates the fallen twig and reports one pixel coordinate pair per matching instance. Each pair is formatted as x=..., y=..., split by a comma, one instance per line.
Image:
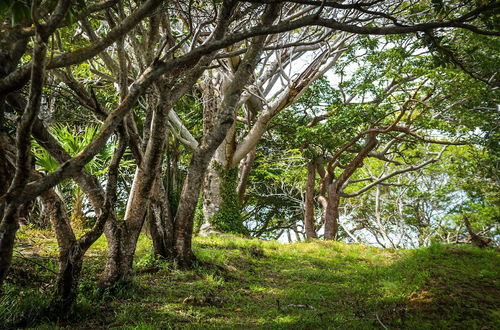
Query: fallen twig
x=36, y=263
x=379, y=321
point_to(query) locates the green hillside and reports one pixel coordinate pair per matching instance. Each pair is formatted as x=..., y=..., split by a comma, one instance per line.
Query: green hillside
x=241, y=283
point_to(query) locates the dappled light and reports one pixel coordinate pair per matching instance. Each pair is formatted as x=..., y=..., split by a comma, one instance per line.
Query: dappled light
x=249, y=164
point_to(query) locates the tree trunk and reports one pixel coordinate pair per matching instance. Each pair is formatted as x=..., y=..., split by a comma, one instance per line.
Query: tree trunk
x=185, y=212
x=6, y=169
x=309, y=202
x=332, y=208
x=70, y=253
x=332, y=216
x=121, y=249
x=213, y=199
x=475, y=238
x=212, y=191
x=8, y=229
x=68, y=277
x=161, y=223
x=184, y=218
x=245, y=168
x=221, y=205
x=123, y=235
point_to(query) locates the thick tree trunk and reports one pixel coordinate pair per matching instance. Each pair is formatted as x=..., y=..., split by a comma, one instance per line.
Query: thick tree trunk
x=212, y=194
x=221, y=207
x=332, y=216
x=161, y=223
x=68, y=277
x=214, y=177
x=309, y=202
x=121, y=249
x=185, y=212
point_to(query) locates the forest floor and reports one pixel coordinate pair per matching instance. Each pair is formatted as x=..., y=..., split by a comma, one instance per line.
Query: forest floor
x=240, y=283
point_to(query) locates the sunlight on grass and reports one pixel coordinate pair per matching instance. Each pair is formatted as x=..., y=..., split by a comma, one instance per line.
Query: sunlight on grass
x=242, y=283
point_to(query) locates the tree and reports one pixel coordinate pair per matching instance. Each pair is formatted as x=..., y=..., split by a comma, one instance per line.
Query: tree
x=179, y=42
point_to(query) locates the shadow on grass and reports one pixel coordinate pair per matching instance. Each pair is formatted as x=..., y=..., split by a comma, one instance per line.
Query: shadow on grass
x=249, y=284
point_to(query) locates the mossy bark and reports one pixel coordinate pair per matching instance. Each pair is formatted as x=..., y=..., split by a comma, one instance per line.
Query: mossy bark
x=227, y=218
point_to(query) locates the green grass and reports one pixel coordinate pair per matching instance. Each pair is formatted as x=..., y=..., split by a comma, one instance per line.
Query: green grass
x=241, y=283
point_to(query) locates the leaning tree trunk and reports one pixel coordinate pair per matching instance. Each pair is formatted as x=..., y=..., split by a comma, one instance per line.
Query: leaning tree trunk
x=475, y=238
x=246, y=165
x=184, y=218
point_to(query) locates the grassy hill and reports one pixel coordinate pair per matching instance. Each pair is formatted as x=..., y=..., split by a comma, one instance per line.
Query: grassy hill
x=240, y=283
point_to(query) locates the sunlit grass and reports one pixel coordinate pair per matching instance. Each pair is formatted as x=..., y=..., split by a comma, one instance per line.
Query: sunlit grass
x=243, y=283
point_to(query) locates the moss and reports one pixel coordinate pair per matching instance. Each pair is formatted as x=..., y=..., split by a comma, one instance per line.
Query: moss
x=228, y=217
x=198, y=215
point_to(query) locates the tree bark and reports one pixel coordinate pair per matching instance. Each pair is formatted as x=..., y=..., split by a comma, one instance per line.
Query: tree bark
x=9, y=223
x=309, y=202
x=212, y=198
x=331, y=213
x=245, y=168
x=161, y=222
x=219, y=190
x=70, y=253
x=184, y=218
x=121, y=248
x=475, y=238
x=332, y=216
x=122, y=237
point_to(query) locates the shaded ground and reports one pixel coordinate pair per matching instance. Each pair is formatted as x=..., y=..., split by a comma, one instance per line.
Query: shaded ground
x=241, y=283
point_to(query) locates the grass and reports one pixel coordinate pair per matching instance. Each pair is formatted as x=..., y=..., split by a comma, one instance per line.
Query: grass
x=241, y=283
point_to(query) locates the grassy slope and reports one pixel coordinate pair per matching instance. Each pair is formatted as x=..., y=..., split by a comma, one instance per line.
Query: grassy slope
x=241, y=283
